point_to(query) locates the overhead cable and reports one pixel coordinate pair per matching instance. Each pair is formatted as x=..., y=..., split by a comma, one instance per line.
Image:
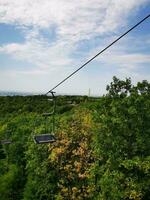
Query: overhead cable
x=112, y=43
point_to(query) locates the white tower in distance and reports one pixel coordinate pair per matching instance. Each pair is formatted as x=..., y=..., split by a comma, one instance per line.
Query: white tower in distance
x=89, y=93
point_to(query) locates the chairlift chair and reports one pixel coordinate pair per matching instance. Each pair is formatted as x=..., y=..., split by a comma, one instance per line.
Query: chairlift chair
x=47, y=137
x=3, y=142
x=47, y=114
x=44, y=138
x=6, y=141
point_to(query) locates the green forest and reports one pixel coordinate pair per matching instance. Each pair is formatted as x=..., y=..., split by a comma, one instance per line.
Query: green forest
x=101, y=152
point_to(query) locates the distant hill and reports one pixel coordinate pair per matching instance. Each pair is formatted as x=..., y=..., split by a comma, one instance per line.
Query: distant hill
x=7, y=93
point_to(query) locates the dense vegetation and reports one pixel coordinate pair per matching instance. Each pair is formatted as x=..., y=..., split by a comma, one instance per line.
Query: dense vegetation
x=102, y=150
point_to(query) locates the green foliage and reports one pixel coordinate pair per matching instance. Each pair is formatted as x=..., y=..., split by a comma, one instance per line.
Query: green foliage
x=8, y=185
x=72, y=157
x=2, y=153
x=102, y=150
x=122, y=141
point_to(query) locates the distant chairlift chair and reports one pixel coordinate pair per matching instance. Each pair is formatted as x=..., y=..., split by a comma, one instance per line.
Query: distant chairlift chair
x=3, y=142
x=48, y=137
x=6, y=140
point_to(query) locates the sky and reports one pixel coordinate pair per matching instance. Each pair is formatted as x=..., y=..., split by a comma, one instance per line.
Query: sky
x=43, y=41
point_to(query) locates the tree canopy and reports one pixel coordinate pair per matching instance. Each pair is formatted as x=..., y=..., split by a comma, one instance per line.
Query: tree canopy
x=102, y=148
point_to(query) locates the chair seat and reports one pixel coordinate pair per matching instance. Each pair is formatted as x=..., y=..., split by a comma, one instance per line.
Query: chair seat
x=44, y=138
x=6, y=142
x=47, y=114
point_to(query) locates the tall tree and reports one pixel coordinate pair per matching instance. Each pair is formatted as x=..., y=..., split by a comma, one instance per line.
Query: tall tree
x=122, y=170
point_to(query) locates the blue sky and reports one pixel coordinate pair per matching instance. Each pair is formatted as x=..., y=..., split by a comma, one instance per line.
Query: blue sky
x=41, y=42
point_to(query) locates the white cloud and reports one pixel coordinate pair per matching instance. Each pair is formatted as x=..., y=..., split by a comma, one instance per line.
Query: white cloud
x=127, y=56
x=120, y=59
x=74, y=21
x=39, y=53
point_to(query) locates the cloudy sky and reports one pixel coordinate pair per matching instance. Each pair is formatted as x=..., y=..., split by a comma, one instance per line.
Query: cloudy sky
x=43, y=41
